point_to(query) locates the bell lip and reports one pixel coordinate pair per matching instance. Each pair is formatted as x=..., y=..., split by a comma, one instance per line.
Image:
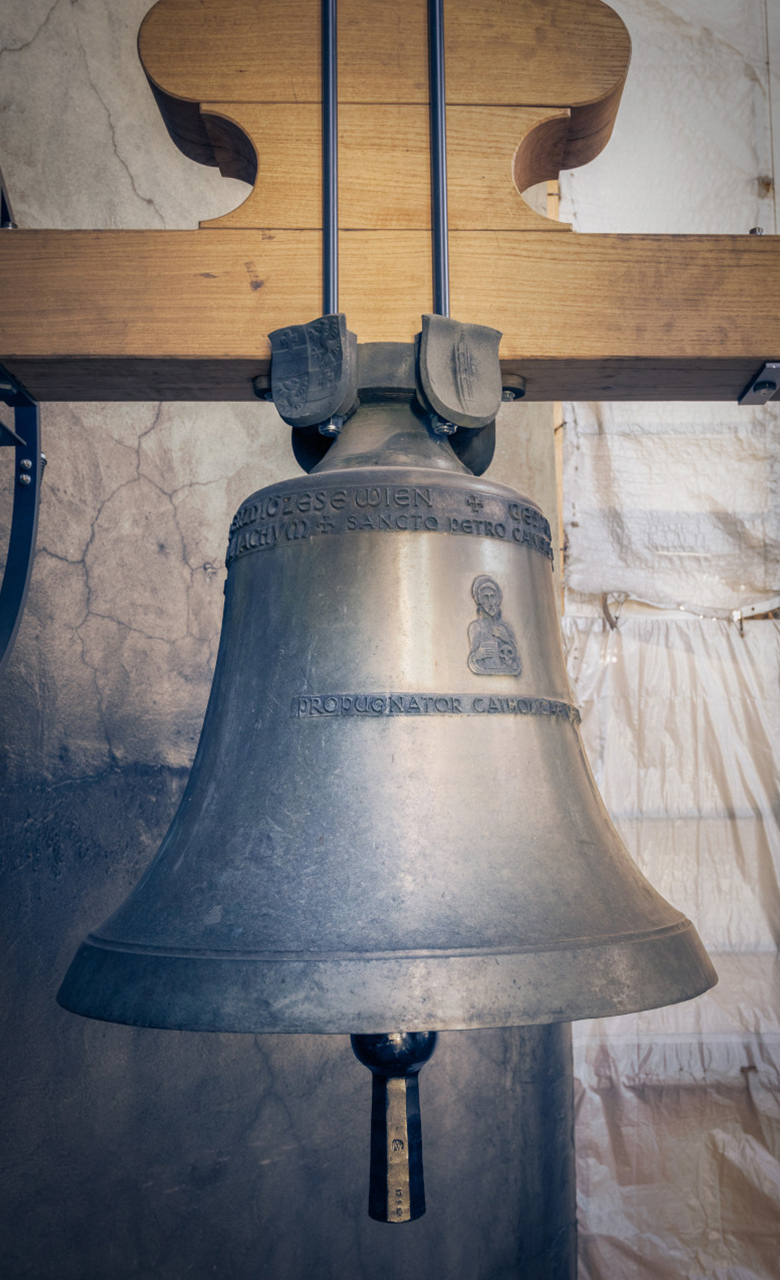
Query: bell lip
x=326, y=995
x=678, y=925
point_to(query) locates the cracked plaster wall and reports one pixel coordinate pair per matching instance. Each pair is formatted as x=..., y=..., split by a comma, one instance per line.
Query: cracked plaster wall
x=144, y=1154
x=697, y=137
x=119, y=640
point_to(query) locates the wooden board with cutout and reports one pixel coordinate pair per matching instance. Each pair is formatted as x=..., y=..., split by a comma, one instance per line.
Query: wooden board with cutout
x=533, y=86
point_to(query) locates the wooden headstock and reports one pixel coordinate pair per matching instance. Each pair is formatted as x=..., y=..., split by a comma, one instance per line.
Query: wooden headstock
x=531, y=88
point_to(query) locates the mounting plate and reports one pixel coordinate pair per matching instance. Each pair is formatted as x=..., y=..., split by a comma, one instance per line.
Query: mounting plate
x=762, y=385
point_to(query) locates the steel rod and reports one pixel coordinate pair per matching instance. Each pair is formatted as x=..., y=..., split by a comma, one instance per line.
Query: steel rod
x=441, y=267
x=330, y=162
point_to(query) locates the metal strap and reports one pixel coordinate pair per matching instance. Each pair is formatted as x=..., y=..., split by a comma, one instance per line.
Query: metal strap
x=28, y=470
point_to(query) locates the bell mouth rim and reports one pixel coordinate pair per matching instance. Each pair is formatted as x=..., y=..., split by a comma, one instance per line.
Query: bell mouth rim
x=324, y=995
x=627, y=937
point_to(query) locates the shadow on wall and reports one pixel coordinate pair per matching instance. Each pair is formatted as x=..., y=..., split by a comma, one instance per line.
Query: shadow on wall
x=134, y=1153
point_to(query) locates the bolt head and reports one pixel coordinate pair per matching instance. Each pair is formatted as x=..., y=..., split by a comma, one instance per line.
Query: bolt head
x=514, y=390
x=261, y=388
x=332, y=427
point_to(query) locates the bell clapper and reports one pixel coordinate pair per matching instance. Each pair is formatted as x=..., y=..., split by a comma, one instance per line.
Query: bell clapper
x=396, y=1186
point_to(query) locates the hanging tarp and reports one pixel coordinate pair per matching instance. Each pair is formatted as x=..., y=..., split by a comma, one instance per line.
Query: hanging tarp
x=677, y=505
x=678, y=1109
x=678, y=1134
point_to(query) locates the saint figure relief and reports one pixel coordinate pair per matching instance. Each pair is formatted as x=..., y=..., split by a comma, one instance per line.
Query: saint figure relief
x=493, y=644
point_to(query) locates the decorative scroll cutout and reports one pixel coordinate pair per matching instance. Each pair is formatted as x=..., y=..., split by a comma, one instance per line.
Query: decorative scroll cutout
x=531, y=88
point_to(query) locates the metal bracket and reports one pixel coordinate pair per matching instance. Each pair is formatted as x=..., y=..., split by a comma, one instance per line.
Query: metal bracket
x=762, y=385
x=458, y=374
x=314, y=373
x=25, y=437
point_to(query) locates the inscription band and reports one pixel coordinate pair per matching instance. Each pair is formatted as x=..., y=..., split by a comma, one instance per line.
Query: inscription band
x=278, y=516
x=383, y=705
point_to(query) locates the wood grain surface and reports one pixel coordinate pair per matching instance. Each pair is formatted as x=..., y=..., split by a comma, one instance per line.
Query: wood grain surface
x=183, y=315
x=500, y=52
x=533, y=86
x=384, y=182
x=238, y=84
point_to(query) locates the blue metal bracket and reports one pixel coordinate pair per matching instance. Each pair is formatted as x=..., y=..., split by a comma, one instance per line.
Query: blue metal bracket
x=25, y=439
x=763, y=385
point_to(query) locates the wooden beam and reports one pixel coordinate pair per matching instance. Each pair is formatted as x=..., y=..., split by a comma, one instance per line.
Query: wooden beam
x=531, y=88
x=124, y=315
x=385, y=166
x=504, y=52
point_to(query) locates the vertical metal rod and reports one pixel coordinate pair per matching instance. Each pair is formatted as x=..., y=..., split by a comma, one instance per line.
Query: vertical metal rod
x=330, y=161
x=441, y=265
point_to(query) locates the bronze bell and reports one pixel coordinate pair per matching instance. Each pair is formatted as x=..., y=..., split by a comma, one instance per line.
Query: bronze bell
x=390, y=820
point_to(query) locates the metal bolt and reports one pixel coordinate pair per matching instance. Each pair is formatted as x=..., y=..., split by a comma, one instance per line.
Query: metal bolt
x=441, y=427
x=26, y=464
x=332, y=427
x=261, y=388
x=25, y=479
x=514, y=390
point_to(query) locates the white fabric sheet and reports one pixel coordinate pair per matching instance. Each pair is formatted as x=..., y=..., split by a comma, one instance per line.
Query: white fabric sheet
x=678, y=1109
x=678, y=1134
x=682, y=727
x=677, y=505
